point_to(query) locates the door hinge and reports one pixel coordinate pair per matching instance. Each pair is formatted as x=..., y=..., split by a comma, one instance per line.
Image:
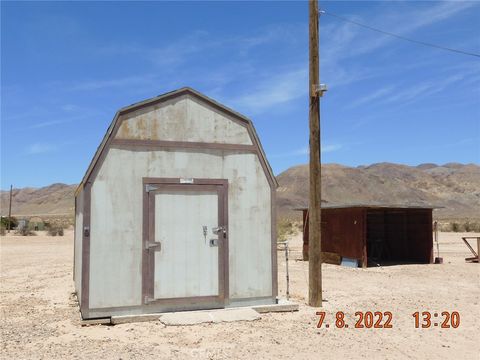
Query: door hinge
x=156, y=246
x=149, y=188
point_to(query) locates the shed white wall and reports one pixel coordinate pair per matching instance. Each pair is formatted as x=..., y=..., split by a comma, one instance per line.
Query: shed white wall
x=78, y=244
x=117, y=196
x=116, y=220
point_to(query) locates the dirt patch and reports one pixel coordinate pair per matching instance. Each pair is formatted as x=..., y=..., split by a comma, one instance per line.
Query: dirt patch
x=40, y=317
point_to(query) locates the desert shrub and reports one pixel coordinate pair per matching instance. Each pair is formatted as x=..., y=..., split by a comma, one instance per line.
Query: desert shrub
x=455, y=226
x=467, y=226
x=472, y=226
x=287, y=228
x=25, y=231
x=55, y=230
x=4, y=222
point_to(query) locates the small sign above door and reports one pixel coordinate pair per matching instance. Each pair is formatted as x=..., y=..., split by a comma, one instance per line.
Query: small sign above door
x=186, y=181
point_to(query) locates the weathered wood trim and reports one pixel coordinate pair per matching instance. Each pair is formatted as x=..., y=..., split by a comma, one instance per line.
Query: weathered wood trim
x=254, y=298
x=173, y=181
x=273, y=220
x=149, y=309
x=148, y=257
x=225, y=243
x=100, y=154
x=272, y=181
x=161, y=144
x=430, y=242
x=74, y=238
x=365, y=247
x=146, y=273
x=85, y=296
x=193, y=300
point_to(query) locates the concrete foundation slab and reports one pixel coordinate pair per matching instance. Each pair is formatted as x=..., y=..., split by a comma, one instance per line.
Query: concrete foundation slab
x=89, y=322
x=243, y=314
x=186, y=318
x=212, y=316
x=282, y=306
x=134, y=318
x=202, y=316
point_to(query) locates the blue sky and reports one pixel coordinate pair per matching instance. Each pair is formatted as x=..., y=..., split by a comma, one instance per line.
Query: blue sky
x=66, y=67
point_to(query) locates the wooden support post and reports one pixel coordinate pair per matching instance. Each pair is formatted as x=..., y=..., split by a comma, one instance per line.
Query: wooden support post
x=314, y=242
x=10, y=210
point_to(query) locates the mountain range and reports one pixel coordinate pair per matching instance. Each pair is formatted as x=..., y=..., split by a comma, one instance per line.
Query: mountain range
x=453, y=187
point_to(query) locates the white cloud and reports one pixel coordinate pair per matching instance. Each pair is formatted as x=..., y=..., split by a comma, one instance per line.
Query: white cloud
x=41, y=148
x=380, y=93
x=171, y=59
x=327, y=148
x=89, y=85
x=341, y=41
x=43, y=124
x=274, y=90
x=344, y=40
x=45, y=118
x=69, y=107
x=331, y=148
x=178, y=51
x=422, y=89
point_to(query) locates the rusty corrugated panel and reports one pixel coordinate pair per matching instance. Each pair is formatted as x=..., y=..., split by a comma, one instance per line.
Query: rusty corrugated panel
x=342, y=232
x=405, y=233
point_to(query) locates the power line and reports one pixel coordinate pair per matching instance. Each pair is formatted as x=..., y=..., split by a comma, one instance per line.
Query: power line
x=399, y=36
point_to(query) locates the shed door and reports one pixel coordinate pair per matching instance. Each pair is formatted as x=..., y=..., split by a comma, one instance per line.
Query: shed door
x=187, y=243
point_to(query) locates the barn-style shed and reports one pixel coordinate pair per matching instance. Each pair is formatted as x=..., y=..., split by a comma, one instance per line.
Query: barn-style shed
x=175, y=212
x=375, y=234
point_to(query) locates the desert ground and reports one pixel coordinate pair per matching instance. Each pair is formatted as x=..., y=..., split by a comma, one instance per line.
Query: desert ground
x=40, y=318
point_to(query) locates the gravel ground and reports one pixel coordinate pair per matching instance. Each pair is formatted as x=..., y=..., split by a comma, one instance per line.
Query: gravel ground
x=40, y=318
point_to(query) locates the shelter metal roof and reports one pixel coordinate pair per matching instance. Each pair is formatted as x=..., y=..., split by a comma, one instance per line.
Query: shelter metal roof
x=373, y=206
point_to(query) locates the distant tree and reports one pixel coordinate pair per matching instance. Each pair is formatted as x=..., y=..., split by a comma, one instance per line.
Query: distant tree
x=13, y=220
x=468, y=226
x=455, y=227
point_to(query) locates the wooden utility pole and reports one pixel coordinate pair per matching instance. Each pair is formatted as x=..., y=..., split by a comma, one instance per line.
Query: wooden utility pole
x=10, y=210
x=314, y=240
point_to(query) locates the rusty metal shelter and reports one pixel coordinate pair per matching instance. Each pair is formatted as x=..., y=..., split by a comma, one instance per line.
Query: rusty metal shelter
x=375, y=234
x=175, y=212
